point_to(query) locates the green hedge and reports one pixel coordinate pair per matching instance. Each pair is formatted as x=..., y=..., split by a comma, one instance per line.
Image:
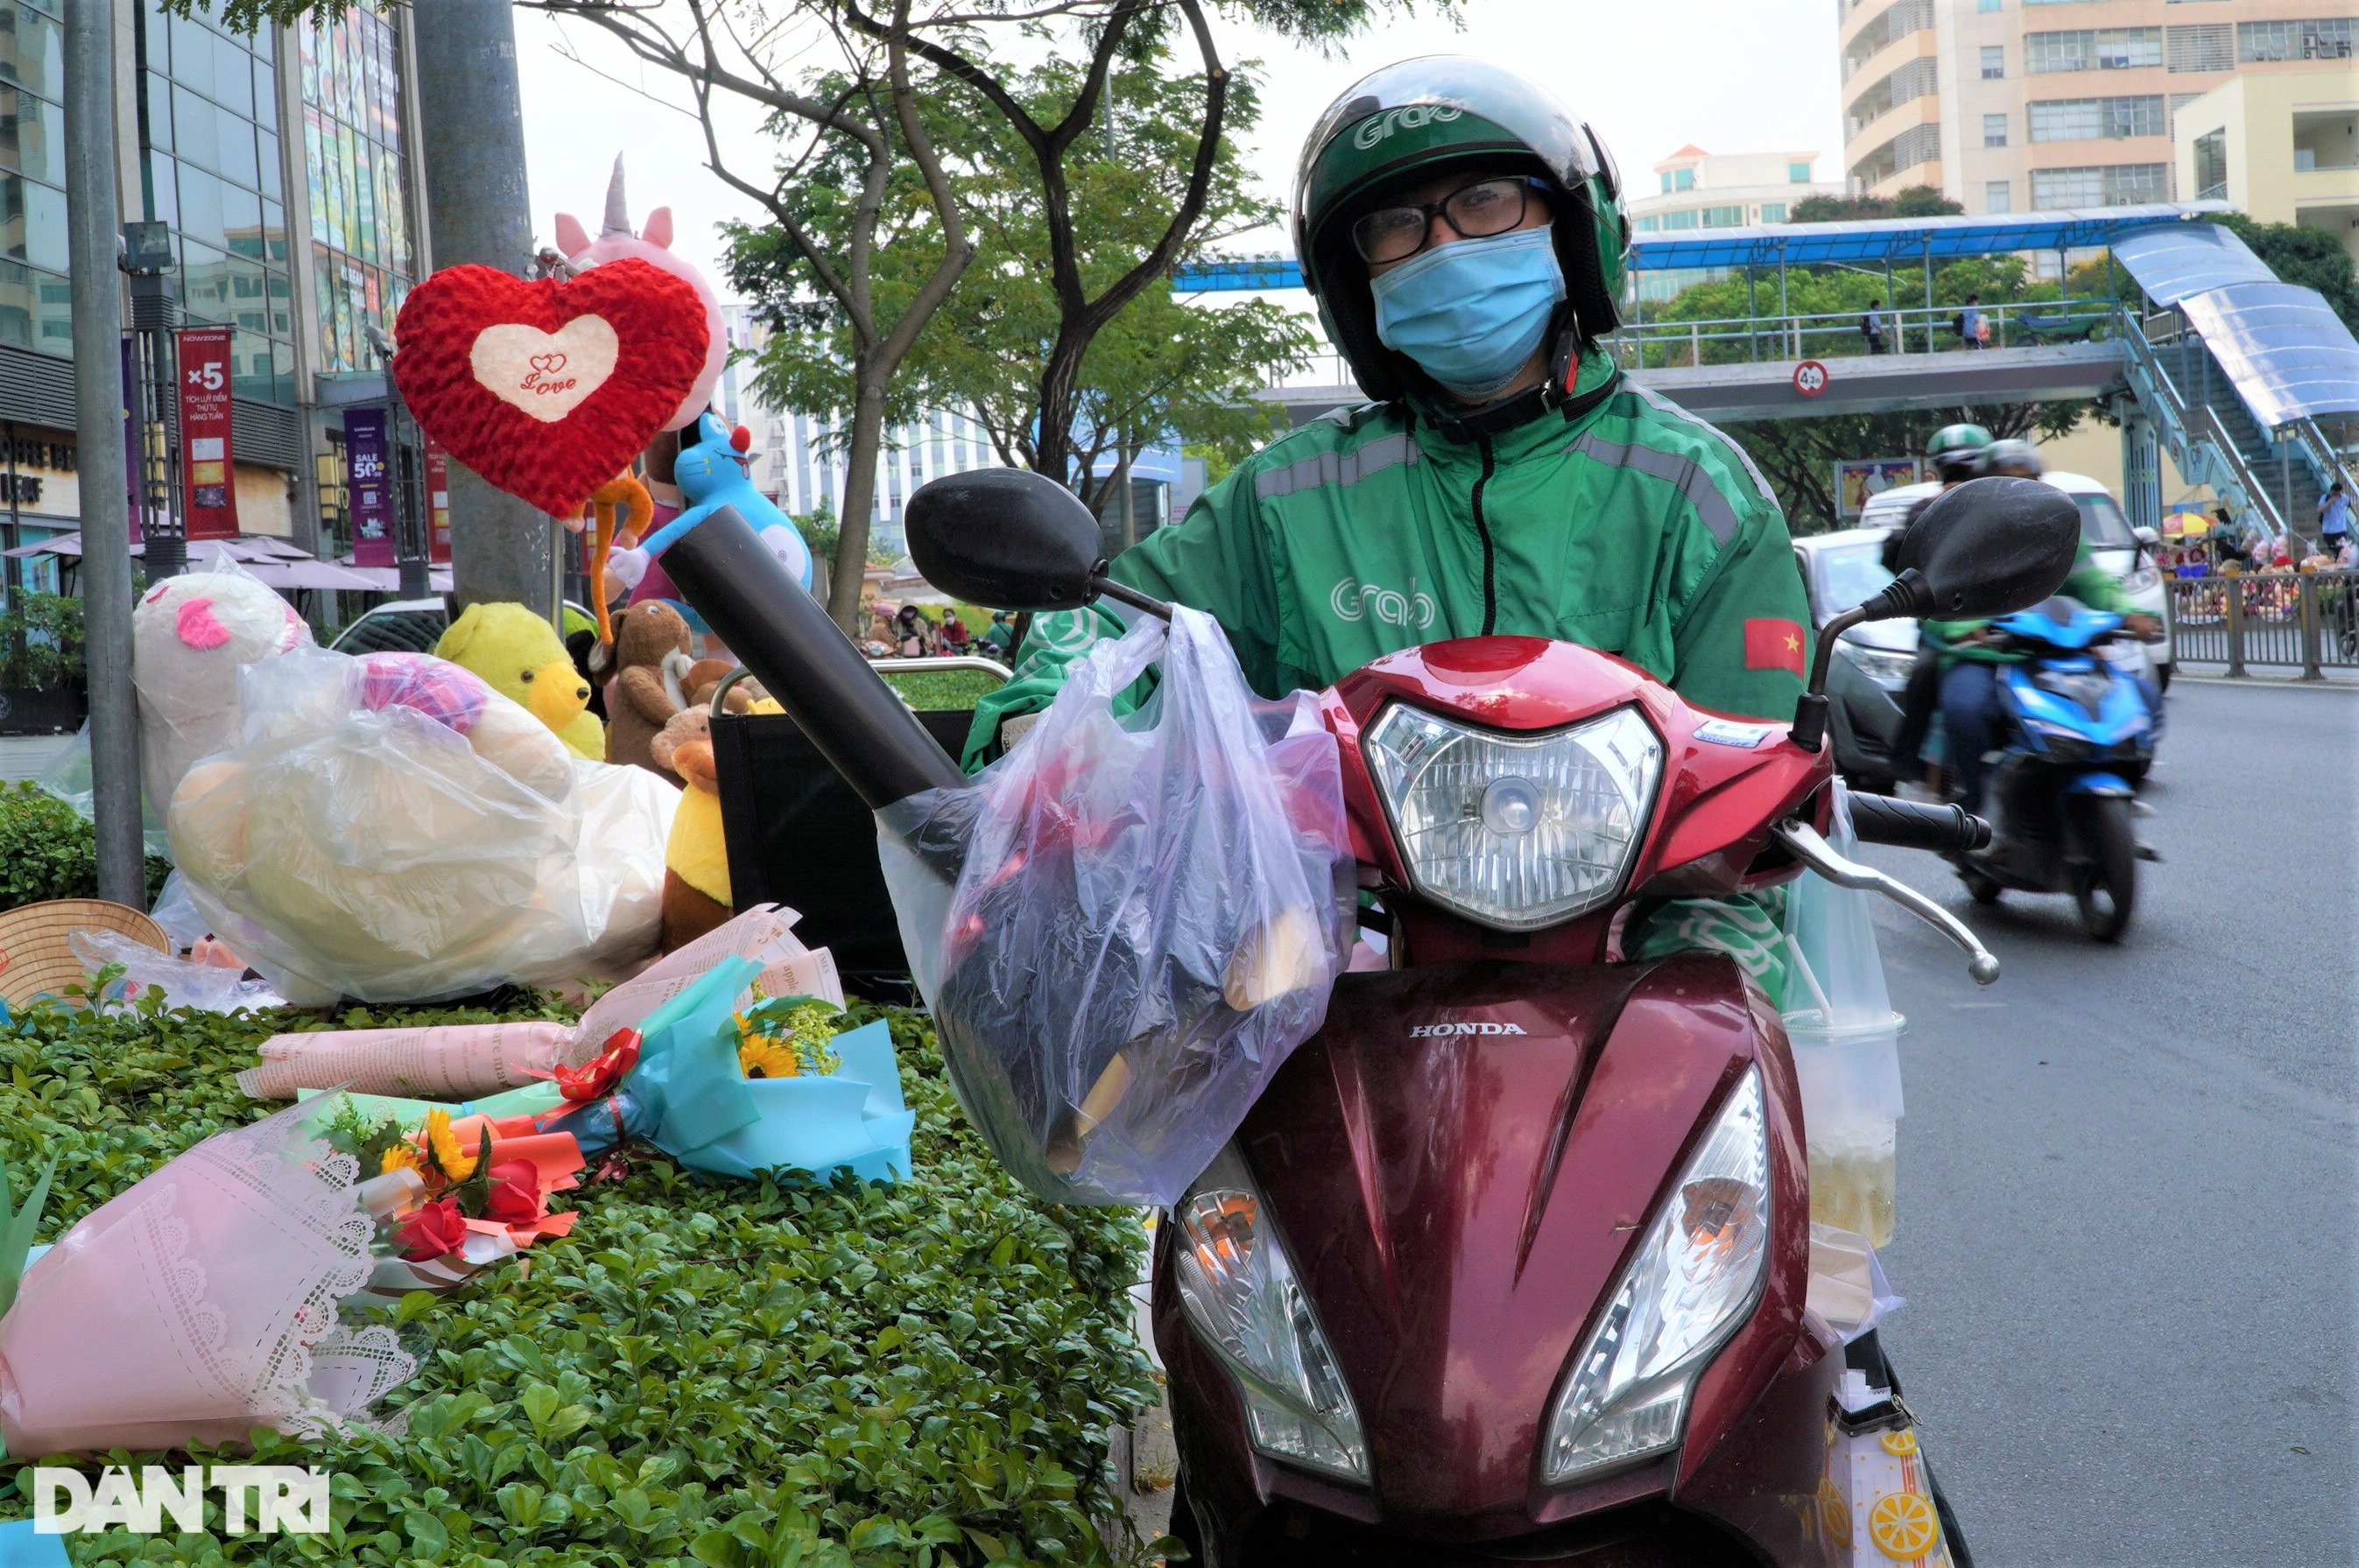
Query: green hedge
x=728, y=1374
x=927, y=690
x=46, y=851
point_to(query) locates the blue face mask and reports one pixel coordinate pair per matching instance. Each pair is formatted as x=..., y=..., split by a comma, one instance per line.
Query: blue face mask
x=1471, y=313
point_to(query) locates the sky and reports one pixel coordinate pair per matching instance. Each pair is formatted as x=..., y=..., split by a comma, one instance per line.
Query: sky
x=1731, y=76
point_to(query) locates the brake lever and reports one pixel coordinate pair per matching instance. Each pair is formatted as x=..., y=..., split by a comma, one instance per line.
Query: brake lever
x=1815, y=852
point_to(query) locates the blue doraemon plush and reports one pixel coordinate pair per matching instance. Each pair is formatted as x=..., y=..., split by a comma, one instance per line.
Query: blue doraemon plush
x=711, y=473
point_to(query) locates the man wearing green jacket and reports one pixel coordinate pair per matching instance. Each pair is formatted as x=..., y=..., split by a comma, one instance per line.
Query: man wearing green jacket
x=1971, y=712
x=1462, y=234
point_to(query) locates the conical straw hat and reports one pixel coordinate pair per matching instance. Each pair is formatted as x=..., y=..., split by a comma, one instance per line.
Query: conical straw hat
x=34, y=958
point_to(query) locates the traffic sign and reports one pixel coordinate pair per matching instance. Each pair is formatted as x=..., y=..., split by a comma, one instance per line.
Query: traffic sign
x=1810, y=378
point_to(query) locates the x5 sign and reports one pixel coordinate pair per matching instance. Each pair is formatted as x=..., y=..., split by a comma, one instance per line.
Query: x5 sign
x=206, y=461
x=1810, y=378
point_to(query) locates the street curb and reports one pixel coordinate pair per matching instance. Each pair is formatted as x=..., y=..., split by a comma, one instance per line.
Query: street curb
x=2250, y=683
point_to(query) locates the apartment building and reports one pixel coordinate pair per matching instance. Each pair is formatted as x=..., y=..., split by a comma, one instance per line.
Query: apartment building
x=2017, y=105
x=1697, y=190
x=2283, y=147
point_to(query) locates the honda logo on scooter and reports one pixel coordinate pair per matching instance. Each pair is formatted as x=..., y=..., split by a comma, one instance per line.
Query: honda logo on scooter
x=1425, y=1030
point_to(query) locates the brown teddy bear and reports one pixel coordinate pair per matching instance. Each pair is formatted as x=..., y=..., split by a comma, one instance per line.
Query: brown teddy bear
x=650, y=660
x=696, y=857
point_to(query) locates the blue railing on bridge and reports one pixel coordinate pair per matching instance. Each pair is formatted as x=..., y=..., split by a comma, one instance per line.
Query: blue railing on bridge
x=1660, y=344
x=1900, y=242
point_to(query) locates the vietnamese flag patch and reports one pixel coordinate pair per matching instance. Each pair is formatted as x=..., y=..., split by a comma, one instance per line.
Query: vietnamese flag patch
x=1773, y=644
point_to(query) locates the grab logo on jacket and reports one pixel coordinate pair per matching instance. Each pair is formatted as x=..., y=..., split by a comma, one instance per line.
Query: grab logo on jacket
x=1355, y=601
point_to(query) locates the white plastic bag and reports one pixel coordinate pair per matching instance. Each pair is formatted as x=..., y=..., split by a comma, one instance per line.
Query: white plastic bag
x=1846, y=1042
x=176, y=912
x=392, y=829
x=1149, y=913
x=208, y=988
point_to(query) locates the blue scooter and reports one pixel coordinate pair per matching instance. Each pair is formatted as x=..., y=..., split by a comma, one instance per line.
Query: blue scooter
x=2080, y=735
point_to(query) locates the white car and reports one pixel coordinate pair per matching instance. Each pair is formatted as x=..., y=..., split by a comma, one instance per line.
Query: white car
x=2113, y=545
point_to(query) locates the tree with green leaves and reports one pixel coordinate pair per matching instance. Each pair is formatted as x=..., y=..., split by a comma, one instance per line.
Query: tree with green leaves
x=1798, y=455
x=1161, y=369
x=862, y=113
x=846, y=246
x=1104, y=58
x=1910, y=202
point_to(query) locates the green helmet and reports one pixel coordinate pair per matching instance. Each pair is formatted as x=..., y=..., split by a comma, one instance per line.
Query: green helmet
x=1957, y=452
x=1427, y=114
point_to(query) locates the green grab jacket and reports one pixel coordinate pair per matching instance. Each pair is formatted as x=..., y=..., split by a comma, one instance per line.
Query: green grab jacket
x=1632, y=527
x=1619, y=520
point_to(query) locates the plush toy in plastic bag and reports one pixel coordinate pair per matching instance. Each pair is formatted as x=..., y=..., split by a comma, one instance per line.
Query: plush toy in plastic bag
x=1149, y=912
x=1846, y=1049
x=392, y=829
x=191, y=636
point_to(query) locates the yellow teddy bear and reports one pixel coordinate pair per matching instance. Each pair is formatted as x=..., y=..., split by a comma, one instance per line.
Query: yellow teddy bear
x=519, y=654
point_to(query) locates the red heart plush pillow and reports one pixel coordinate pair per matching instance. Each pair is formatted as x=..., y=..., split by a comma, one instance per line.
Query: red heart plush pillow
x=549, y=388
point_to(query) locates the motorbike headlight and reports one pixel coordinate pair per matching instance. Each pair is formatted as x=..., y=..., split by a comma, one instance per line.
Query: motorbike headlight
x=1691, y=1283
x=1238, y=1288
x=2062, y=744
x=1515, y=831
x=1882, y=666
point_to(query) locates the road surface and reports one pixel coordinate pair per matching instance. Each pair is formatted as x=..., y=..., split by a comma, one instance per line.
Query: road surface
x=2126, y=1221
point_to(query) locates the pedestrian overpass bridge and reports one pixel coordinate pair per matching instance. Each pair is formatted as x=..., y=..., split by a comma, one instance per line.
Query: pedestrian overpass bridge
x=2250, y=384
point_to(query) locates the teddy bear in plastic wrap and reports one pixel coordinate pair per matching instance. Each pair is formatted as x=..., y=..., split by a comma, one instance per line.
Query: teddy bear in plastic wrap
x=393, y=830
x=190, y=635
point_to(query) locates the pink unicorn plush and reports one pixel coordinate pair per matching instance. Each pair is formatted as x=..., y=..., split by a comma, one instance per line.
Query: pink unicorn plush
x=652, y=244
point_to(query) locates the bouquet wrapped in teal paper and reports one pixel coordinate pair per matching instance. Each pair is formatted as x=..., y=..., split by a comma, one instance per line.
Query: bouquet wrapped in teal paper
x=733, y=1090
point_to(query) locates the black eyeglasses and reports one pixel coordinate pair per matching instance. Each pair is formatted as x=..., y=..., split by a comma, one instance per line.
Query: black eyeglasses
x=1477, y=211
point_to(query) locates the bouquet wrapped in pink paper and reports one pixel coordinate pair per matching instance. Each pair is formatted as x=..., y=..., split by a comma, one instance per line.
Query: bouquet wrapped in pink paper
x=199, y=1303
x=452, y=1061
x=463, y=1061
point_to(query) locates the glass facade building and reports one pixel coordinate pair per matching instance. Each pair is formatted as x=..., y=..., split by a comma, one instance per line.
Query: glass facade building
x=358, y=195
x=33, y=308
x=282, y=164
x=216, y=164
x=212, y=168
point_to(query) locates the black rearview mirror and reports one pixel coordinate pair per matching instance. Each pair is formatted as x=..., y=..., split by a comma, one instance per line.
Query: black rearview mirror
x=1008, y=538
x=1992, y=546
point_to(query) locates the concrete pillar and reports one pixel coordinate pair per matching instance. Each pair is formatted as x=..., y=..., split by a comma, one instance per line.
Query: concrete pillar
x=479, y=211
x=2141, y=467
x=93, y=215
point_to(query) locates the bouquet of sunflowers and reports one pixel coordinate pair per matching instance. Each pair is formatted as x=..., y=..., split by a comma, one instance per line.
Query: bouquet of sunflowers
x=730, y=1081
x=452, y=1195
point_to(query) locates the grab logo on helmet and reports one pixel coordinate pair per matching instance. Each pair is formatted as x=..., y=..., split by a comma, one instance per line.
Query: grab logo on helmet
x=1413, y=117
x=1355, y=601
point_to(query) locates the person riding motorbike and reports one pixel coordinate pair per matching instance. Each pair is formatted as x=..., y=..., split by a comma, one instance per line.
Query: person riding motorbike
x=1970, y=710
x=1462, y=234
x=1956, y=453
x=2014, y=458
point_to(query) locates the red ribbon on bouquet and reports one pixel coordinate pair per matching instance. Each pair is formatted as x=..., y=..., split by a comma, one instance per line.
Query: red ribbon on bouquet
x=583, y=1084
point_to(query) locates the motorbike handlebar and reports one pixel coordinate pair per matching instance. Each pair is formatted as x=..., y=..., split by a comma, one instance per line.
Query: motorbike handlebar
x=1914, y=824
x=804, y=660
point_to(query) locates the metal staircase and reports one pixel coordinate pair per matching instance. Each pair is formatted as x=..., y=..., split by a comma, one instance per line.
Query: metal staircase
x=2212, y=438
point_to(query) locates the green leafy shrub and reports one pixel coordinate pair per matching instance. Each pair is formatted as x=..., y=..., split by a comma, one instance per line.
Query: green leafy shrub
x=726, y=1374
x=40, y=643
x=928, y=690
x=48, y=851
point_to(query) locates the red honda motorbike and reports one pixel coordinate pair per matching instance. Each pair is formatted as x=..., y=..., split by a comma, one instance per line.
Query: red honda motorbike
x=1508, y=1264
